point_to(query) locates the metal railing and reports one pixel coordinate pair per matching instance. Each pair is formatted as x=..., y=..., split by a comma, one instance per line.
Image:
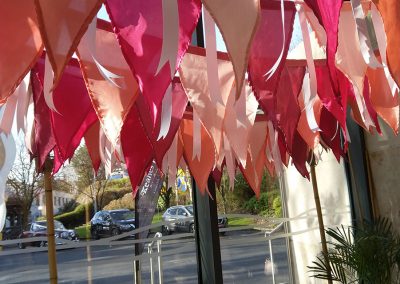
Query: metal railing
x=157, y=236
x=270, y=248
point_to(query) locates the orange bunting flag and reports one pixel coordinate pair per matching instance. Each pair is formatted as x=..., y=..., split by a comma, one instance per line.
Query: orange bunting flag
x=62, y=23
x=390, y=12
x=254, y=170
x=201, y=167
x=237, y=22
x=21, y=44
x=386, y=105
x=111, y=85
x=303, y=128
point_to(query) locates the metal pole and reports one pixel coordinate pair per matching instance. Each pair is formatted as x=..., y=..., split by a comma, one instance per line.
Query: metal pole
x=320, y=220
x=149, y=251
x=272, y=260
x=160, y=272
x=285, y=212
x=134, y=272
x=48, y=166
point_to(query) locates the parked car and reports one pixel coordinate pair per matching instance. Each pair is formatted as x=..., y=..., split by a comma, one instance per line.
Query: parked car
x=180, y=213
x=39, y=229
x=112, y=223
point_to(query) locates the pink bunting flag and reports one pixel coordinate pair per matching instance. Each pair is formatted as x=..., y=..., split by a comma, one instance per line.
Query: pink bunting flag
x=237, y=23
x=238, y=129
x=112, y=87
x=350, y=61
x=193, y=74
x=141, y=28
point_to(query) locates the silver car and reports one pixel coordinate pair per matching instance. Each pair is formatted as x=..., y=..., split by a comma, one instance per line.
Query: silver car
x=181, y=214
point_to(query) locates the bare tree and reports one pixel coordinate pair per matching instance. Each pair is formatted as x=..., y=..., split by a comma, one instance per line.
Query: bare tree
x=89, y=184
x=24, y=182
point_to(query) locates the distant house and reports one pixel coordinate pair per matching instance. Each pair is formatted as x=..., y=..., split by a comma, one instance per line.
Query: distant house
x=60, y=198
x=38, y=208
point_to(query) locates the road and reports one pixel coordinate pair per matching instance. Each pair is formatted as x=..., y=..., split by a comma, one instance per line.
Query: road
x=243, y=259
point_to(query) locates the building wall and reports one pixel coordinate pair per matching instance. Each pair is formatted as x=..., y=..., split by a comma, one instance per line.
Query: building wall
x=384, y=156
x=299, y=198
x=60, y=198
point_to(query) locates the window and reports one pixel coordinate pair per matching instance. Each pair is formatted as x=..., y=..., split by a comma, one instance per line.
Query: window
x=181, y=212
x=107, y=217
x=55, y=200
x=172, y=211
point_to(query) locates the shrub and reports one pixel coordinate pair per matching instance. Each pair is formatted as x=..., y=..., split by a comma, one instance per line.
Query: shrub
x=260, y=205
x=75, y=218
x=113, y=194
x=68, y=207
x=277, y=206
x=126, y=201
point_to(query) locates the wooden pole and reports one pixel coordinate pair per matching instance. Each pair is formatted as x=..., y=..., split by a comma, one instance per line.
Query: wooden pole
x=48, y=166
x=320, y=220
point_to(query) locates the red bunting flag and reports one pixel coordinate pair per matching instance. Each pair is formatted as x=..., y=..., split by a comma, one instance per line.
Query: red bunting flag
x=139, y=124
x=44, y=141
x=71, y=123
x=264, y=52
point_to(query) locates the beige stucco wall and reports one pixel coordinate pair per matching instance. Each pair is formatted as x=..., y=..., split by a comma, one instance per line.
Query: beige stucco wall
x=384, y=156
x=298, y=194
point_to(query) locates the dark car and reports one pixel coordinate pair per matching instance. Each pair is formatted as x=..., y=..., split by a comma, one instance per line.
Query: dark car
x=181, y=214
x=112, y=223
x=39, y=229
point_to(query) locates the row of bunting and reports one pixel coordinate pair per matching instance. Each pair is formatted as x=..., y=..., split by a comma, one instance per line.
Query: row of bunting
x=136, y=90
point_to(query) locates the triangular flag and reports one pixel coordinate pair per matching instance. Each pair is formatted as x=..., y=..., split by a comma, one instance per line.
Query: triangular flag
x=200, y=168
x=62, y=24
x=193, y=75
x=382, y=100
x=111, y=97
x=71, y=123
x=264, y=52
x=142, y=28
x=390, y=12
x=21, y=44
x=237, y=23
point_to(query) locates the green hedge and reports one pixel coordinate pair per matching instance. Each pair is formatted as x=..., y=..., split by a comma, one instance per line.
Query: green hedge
x=75, y=218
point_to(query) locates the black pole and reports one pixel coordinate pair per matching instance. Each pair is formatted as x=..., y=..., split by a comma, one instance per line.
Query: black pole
x=136, y=267
x=209, y=268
